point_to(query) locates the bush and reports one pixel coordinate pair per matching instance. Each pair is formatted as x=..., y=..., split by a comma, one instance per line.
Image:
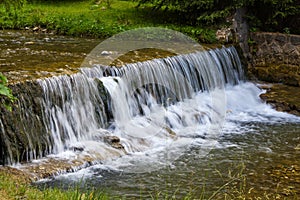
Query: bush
x=280, y=15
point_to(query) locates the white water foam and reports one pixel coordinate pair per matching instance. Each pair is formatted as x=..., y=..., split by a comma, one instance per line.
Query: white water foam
x=160, y=150
x=160, y=108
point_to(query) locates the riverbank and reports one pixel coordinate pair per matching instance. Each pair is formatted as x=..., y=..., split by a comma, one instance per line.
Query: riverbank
x=282, y=97
x=14, y=184
x=100, y=20
x=275, y=59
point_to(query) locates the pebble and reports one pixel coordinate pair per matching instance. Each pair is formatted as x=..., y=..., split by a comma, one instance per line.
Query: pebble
x=29, y=43
x=105, y=53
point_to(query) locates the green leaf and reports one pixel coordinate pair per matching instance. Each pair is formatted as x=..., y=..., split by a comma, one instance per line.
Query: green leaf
x=3, y=79
x=5, y=90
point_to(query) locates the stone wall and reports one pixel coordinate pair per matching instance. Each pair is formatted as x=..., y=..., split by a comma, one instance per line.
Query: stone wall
x=275, y=48
x=22, y=131
x=276, y=57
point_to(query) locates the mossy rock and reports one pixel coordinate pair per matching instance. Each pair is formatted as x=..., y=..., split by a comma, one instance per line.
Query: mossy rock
x=283, y=98
x=286, y=74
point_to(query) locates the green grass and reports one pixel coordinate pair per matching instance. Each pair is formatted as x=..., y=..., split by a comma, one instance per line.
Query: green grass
x=84, y=18
x=15, y=186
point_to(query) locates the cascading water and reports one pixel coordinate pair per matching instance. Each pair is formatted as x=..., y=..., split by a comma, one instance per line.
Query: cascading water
x=164, y=117
x=141, y=98
x=73, y=109
x=141, y=103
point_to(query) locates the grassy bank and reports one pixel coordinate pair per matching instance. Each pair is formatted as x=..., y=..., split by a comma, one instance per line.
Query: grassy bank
x=86, y=18
x=15, y=185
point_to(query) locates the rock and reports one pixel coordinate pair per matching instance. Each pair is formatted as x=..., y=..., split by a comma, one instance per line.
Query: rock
x=224, y=34
x=171, y=132
x=52, y=167
x=29, y=43
x=281, y=39
x=275, y=48
x=77, y=148
x=283, y=98
x=295, y=40
x=105, y=53
x=111, y=139
x=47, y=39
x=36, y=28
x=17, y=174
x=286, y=74
x=114, y=141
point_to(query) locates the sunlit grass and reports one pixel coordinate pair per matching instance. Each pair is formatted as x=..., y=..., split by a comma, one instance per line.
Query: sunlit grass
x=234, y=185
x=84, y=18
x=16, y=187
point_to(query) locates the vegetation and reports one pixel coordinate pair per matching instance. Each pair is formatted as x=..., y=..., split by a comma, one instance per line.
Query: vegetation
x=267, y=15
x=15, y=186
x=12, y=5
x=91, y=18
x=197, y=18
x=5, y=92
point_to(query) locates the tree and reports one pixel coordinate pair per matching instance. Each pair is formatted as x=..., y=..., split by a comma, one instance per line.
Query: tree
x=267, y=15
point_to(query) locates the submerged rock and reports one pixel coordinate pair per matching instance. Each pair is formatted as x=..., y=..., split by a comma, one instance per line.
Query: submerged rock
x=109, y=139
x=171, y=133
x=288, y=177
x=51, y=167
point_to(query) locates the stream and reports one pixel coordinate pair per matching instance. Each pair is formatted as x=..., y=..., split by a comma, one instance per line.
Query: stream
x=256, y=150
x=26, y=55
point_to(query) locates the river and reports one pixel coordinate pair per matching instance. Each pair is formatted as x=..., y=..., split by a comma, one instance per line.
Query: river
x=205, y=132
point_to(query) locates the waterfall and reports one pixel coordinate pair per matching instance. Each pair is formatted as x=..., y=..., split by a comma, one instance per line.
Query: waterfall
x=73, y=108
x=153, y=98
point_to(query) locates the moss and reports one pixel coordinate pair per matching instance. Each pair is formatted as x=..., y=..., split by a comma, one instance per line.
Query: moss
x=286, y=74
x=284, y=98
